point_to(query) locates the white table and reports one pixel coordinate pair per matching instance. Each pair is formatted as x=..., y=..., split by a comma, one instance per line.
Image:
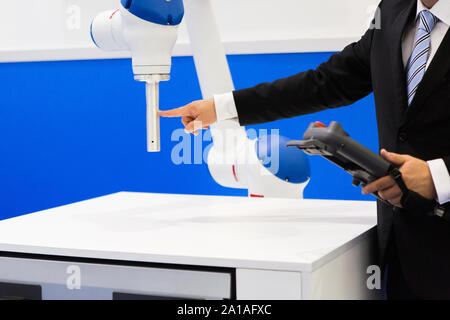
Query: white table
x=192, y=247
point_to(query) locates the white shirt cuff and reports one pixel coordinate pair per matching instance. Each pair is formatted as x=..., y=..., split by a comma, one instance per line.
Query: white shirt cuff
x=225, y=106
x=441, y=179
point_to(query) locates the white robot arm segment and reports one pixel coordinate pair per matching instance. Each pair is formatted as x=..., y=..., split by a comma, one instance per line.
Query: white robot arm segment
x=149, y=30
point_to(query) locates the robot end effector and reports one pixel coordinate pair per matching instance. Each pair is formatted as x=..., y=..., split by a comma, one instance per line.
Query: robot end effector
x=148, y=29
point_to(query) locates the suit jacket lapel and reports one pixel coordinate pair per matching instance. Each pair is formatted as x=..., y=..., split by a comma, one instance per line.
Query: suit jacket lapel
x=437, y=70
x=405, y=16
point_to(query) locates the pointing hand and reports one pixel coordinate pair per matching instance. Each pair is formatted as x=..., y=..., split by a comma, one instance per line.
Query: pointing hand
x=195, y=115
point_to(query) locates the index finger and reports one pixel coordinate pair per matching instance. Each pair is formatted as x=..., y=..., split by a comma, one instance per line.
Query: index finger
x=178, y=112
x=377, y=185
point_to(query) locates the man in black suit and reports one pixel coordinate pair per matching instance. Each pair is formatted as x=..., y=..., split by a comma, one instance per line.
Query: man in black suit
x=406, y=64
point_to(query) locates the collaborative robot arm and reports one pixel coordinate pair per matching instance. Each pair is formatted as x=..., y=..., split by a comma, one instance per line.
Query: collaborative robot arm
x=148, y=29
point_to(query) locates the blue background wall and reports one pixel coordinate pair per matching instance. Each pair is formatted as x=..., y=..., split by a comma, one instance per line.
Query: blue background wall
x=74, y=130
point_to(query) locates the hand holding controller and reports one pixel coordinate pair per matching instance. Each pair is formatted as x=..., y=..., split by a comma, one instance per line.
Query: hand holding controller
x=335, y=145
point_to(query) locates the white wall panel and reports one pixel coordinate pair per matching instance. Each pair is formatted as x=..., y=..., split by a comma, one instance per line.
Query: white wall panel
x=59, y=29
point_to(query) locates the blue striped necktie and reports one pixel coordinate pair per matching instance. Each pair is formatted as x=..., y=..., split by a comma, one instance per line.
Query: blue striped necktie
x=415, y=69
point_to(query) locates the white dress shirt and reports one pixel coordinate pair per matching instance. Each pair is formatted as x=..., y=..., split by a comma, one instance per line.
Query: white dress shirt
x=226, y=107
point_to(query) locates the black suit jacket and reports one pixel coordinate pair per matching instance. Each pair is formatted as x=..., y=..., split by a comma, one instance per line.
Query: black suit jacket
x=374, y=64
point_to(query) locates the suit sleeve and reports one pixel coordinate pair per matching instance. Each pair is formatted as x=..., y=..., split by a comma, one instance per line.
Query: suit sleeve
x=447, y=163
x=342, y=80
